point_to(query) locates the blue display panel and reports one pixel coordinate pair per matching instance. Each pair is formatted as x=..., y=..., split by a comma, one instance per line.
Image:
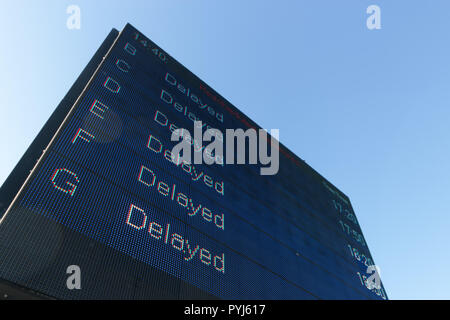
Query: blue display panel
x=210, y=231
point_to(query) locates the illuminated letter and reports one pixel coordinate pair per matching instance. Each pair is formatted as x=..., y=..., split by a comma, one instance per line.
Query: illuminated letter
x=122, y=65
x=221, y=223
x=176, y=238
x=149, y=144
x=97, y=105
x=130, y=212
x=164, y=117
x=78, y=134
x=166, y=97
x=130, y=49
x=72, y=185
x=144, y=170
x=112, y=85
x=221, y=262
x=170, y=79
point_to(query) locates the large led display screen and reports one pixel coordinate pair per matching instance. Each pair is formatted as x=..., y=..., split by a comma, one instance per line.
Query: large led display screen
x=107, y=197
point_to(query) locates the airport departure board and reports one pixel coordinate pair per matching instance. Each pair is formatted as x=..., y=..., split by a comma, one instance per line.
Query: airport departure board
x=107, y=197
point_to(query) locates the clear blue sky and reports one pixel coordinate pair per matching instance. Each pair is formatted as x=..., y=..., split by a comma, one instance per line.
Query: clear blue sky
x=368, y=109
